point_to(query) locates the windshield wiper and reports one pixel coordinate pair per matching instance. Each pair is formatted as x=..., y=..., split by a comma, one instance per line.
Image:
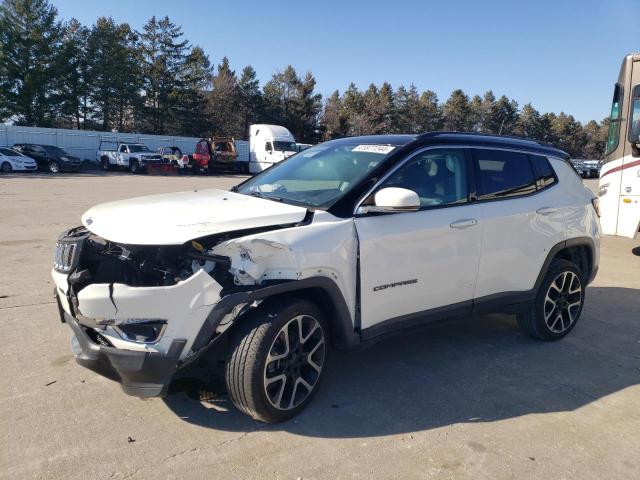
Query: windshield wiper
x=268, y=197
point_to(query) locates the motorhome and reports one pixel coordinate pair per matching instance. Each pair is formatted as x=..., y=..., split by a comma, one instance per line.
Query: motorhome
x=269, y=144
x=619, y=188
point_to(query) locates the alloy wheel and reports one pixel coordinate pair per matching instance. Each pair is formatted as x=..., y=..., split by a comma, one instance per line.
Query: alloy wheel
x=294, y=362
x=562, y=302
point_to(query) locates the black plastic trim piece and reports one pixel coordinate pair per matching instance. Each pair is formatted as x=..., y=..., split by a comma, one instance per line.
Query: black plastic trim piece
x=572, y=242
x=344, y=335
x=141, y=374
x=417, y=319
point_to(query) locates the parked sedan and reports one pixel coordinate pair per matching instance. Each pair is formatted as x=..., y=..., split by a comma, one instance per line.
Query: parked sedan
x=11, y=160
x=50, y=158
x=173, y=154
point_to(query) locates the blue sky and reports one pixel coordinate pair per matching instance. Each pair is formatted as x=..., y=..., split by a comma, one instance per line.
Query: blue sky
x=558, y=55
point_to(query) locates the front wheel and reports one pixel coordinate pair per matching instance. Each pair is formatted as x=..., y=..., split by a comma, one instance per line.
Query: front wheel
x=54, y=167
x=276, y=360
x=134, y=166
x=558, y=304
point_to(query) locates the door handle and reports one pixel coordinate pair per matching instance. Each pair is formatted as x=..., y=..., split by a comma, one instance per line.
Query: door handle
x=464, y=223
x=546, y=210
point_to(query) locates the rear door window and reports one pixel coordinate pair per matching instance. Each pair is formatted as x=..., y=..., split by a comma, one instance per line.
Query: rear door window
x=542, y=170
x=502, y=173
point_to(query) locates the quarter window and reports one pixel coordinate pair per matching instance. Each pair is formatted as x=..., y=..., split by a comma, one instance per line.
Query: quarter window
x=634, y=125
x=542, y=170
x=614, y=121
x=439, y=177
x=503, y=174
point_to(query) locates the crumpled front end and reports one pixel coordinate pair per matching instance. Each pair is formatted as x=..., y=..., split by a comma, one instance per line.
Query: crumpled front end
x=140, y=313
x=135, y=311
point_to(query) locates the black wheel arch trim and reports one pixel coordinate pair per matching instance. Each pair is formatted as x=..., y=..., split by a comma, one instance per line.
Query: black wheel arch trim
x=342, y=327
x=571, y=242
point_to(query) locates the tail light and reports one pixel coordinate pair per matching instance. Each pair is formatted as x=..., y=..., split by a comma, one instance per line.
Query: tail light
x=596, y=205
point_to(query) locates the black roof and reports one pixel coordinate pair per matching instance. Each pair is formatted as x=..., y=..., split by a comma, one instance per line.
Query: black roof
x=452, y=138
x=396, y=140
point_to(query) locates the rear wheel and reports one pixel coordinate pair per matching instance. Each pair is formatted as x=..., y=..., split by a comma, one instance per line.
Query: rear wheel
x=277, y=359
x=54, y=166
x=558, y=304
x=104, y=161
x=6, y=167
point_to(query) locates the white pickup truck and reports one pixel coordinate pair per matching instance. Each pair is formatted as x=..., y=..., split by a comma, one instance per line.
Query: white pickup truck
x=132, y=156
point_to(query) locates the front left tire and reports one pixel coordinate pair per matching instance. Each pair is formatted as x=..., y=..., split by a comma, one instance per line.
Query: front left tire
x=277, y=359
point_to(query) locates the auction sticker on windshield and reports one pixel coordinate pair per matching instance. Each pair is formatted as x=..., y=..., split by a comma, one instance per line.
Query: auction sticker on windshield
x=383, y=149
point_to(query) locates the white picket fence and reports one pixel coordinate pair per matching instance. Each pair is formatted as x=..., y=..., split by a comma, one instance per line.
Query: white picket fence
x=85, y=143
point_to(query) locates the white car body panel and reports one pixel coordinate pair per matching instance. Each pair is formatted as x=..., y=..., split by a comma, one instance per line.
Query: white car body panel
x=327, y=247
x=184, y=306
x=18, y=161
x=619, y=189
x=438, y=264
x=514, y=234
x=175, y=218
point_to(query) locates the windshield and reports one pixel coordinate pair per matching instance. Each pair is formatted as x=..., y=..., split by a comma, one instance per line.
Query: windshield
x=138, y=148
x=319, y=175
x=285, y=146
x=55, y=150
x=9, y=153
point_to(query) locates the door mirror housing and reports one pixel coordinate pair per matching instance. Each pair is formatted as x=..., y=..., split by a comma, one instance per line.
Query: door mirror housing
x=393, y=199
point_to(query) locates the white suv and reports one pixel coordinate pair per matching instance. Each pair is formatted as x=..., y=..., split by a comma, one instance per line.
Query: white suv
x=340, y=244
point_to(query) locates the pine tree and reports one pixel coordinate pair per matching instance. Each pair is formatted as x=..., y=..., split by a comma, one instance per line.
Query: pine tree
x=457, y=112
x=164, y=54
x=191, y=108
x=30, y=41
x=280, y=95
x=488, y=121
x=116, y=79
x=529, y=123
x=409, y=110
x=506, y=116
x=74, y=83
x=306, y=110
x=334, y=123
x=250, y=98
x=224, y=100
x=430, y=112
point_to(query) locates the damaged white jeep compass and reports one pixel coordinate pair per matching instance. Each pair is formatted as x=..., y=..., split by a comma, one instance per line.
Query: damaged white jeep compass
x=340, y=244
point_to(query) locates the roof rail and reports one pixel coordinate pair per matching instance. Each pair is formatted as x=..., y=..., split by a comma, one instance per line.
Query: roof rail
x=486, y=135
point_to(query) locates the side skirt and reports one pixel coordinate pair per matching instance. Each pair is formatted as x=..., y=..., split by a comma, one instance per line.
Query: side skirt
x=509, y=302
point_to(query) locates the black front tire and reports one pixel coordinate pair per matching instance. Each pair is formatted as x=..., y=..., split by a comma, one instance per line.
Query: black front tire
x=134, y=166
x=54, y=167
x=253, y=342
x=538, y=320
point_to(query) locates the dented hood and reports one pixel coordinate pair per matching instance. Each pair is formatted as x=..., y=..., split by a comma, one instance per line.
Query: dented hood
x=175, y=218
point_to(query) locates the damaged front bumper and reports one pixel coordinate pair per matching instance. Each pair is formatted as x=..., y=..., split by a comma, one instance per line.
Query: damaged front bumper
x=192, y=313
x=142, y=374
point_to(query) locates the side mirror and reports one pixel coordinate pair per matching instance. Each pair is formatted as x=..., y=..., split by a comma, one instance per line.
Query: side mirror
x=393, y=199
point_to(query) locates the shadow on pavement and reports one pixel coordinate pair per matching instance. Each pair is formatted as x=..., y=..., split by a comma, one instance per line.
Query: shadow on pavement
x=473, y=370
